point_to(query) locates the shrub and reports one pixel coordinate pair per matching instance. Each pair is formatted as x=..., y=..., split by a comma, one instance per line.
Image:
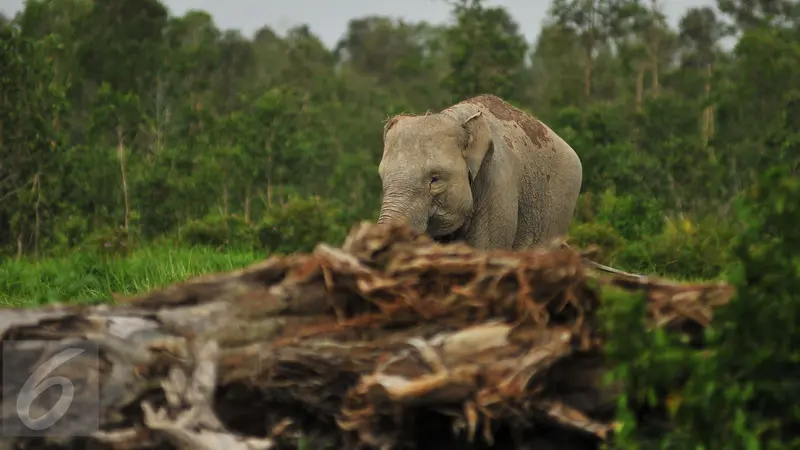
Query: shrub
x=219, y=231
x=635, y=236
x=633, y=218
x=296, y=225
x=300, y=224
x=110, y=241
x=603, y=235
x=740, y=390
x=746, y=393
x=683, y=249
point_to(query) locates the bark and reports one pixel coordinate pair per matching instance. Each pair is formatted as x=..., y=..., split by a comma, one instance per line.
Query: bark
x=247, y=198
x=655, y=81
x=673, y=189
x=160, y=122
x=3, y=102
x=225, y=201
x=167, y=117
x=350, y=345
x=639, y=89
x=587, y=75
x=38, y=218
x=708, y=112
x=123, y=171
x=20, y=247
x=268, y=149
x=57, y=115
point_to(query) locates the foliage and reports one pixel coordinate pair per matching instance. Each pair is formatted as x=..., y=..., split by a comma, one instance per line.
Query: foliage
x=300, y=224
x=218, y=231
x=736, y=392
x=121, y=140
x=297, y=225
x=487, y=52
x=203, y=134
x=634, y=236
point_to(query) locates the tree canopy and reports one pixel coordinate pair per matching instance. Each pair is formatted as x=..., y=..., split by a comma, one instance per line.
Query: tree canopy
x=159, y=126
x=122, y=125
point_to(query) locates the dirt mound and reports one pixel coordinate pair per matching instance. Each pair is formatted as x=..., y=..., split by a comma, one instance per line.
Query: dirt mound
x=392, y=341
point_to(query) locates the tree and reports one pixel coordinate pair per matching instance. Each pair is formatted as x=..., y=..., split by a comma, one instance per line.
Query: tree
x=748, y=14
x=657, y=40
x=486, y=52
x=122, y=44
x=594, y=22
x=31, y=147
x=398, y=56
x=700, y=32
x=557, y=68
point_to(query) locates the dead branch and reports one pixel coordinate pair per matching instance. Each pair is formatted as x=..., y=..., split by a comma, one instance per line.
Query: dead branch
x=354, y=346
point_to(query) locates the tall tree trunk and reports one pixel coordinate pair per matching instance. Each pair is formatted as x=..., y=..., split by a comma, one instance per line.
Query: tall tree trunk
x=654, y=67
x=123, y=172
x=225, y=201
x=37, y=227
x=57, y=116
x=708, y=115
x=2, y=133
x=19, y=245
x=268, y=147
x=674, y=191
x=587, y=75
x=167, y=117
x=159, y=144
x=247, y=204
x=639, y=88
x=710, y=107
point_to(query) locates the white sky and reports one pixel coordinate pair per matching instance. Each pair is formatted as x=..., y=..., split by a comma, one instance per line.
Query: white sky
x=328, y=18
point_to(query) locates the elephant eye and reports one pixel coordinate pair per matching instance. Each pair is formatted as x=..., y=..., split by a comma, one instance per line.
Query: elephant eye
x=434, y=179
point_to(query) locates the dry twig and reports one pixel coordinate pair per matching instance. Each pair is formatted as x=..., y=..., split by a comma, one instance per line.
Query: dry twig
x=355, y=343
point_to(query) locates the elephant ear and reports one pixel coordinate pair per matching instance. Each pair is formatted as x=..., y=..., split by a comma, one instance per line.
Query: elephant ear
x=477, y=144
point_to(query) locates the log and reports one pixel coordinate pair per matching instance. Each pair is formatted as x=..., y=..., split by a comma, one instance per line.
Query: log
x=391, y=341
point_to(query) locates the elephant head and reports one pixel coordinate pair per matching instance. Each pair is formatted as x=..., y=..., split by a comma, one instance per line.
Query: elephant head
x=427, y=170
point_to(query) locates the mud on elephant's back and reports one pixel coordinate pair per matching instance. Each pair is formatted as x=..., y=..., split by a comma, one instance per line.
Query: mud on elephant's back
x=507, y=112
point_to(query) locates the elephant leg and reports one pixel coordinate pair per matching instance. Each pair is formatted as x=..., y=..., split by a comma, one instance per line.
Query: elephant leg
x=525, y=241
x=494, y=220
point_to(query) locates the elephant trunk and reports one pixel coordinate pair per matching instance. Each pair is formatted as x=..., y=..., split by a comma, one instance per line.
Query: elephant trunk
x=405, y=209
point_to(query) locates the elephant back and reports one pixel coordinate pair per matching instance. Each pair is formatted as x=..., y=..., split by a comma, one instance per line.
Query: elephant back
x=511, y=116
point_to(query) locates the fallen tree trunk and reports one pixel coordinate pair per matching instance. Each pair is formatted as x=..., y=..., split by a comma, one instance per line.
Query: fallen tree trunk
x=391, y=341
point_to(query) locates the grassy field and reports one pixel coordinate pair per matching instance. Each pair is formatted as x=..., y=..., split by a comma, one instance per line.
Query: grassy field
x=90, y=278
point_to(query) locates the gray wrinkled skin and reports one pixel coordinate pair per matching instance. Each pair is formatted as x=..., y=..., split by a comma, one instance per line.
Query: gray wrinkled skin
x=525, y=178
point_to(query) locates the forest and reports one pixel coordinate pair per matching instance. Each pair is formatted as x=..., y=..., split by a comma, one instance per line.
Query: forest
x=139, y=147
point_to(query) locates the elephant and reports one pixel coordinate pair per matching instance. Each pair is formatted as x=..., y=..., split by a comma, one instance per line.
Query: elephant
x=481, y=171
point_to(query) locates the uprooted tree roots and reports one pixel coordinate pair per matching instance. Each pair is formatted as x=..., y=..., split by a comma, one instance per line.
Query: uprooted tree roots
x=391, y=341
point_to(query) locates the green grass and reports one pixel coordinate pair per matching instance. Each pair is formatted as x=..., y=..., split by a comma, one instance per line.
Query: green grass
x=91, y=278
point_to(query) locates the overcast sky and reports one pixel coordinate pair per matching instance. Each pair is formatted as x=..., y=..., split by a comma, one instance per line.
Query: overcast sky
x=328, y=18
